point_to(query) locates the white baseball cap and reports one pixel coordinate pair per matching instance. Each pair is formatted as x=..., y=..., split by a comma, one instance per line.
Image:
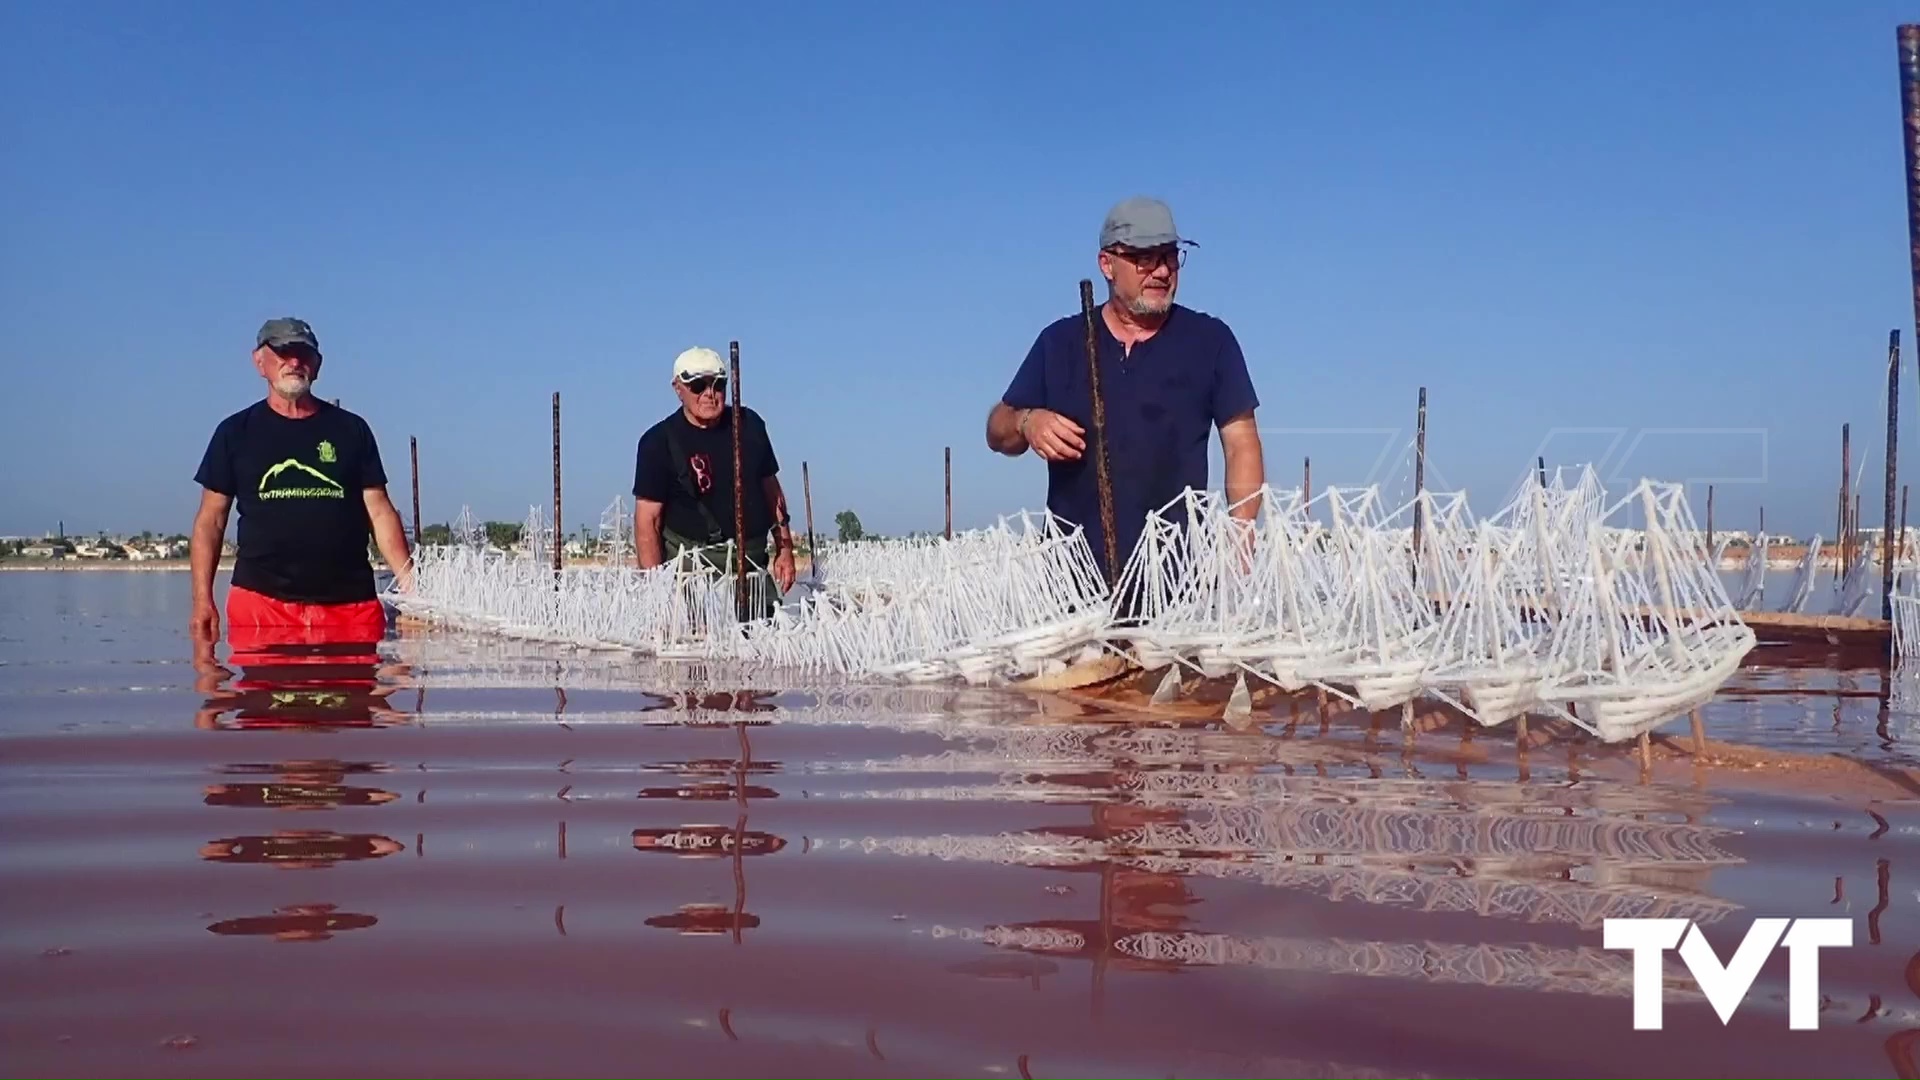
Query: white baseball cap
x=696, y=362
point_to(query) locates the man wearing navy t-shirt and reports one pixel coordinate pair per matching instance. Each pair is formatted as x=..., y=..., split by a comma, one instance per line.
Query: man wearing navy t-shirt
x=1169, y=376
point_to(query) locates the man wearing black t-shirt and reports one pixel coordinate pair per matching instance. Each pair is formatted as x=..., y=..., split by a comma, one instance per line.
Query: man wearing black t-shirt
x=683, y=477
x=308, y=480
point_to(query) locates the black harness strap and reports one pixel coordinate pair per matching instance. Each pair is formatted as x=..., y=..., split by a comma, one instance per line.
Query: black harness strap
x=684, y=474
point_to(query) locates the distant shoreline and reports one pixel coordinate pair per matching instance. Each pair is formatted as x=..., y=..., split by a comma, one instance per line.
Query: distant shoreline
x=141, y=565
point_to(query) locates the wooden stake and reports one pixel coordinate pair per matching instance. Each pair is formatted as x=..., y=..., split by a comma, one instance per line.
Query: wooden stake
x=949, y=456
x=1699, y=734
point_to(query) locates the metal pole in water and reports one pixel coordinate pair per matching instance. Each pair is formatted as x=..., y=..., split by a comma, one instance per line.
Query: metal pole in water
x=557, y=545
x=1102, y=479
x=813, y=550
x=739, y=489
x=1709, y=521
x=949, y=492
x=1419, y=482
x=1908, y=37
x=1893, y=478
x=413, y=448
x=1846, y=456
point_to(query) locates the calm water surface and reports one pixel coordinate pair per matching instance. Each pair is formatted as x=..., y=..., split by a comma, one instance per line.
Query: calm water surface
x=469, y=856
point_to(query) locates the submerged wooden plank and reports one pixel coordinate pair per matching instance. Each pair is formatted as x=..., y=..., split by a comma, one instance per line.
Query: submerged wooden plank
x=1104, y=668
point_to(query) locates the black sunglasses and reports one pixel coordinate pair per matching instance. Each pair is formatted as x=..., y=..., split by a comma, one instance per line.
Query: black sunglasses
x=699, y=384
x=296, y=351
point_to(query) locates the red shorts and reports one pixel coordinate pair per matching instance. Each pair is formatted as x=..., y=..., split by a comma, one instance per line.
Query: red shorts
x=261, y=624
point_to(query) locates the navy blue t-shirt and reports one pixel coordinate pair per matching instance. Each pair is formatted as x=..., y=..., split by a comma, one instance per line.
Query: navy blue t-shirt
x=300, y=488
x=1163, y=402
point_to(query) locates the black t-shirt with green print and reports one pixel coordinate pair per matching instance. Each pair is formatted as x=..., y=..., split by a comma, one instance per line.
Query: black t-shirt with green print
x=299, y=488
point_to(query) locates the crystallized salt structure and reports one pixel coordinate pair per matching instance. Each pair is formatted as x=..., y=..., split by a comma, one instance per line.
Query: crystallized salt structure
x=1561, y=604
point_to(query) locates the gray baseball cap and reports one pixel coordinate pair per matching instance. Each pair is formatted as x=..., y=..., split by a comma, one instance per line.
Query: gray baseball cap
x=1141, y=223
x=289, y=331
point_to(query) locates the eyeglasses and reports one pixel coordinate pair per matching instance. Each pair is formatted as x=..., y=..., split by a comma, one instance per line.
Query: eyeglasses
x=1149, y=260
x=700, y=384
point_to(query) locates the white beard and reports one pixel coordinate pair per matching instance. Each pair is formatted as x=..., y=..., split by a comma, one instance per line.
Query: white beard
x=292, y=387
x=1143, y=306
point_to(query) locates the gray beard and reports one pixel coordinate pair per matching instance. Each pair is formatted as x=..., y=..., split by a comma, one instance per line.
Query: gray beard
x=292, y=388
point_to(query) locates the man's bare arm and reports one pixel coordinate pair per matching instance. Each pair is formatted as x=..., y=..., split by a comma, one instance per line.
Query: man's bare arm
x=777, y=501
x=1246, y=468
x=390, y=536
x=648, y=549
x=1003, y=430
x=209, y=532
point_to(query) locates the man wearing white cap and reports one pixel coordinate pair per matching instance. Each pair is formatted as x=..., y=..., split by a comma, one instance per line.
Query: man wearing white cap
x=683, y=478
x=1169, y=376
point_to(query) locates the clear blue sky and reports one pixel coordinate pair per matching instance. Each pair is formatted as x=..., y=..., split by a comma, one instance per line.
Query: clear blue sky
x=1613, y=216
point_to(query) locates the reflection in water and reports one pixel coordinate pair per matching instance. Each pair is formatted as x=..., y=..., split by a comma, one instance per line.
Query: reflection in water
x=300, y=849
x=716, y=779
x=301, y=785
x=1432, y=884
x=705, y=919
x=706, y=841
x=296, y=679
x=295, y=796
x=296, y=922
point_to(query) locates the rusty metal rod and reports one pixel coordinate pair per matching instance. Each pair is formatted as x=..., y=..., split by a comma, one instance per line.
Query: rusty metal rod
x=558, y=546
x=1709, y=521
x=1893, y=477
x=1908, y=37
x=1307, y=490
x=739, y=488
x=1540, y=464
x=813, y=550
x=413, y=449
x=1419, y=482
x=949, y=456
x=1846, y=458
x=1102, y=478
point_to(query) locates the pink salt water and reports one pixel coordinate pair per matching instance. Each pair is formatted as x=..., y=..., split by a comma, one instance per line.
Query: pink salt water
x=466, y=856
